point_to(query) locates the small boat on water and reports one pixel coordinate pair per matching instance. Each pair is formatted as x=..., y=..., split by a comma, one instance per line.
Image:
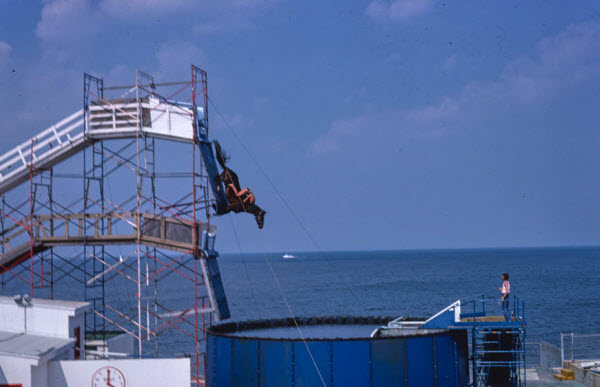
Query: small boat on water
x=288, y=256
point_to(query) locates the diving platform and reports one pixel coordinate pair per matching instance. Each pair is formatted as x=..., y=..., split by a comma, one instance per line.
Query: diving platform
x=497, y=345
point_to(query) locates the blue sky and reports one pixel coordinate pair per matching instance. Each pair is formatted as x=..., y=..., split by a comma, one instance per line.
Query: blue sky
x=385, y=124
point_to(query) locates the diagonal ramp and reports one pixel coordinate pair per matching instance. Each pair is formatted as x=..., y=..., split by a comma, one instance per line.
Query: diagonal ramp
x=48, y=148
x=106, y=119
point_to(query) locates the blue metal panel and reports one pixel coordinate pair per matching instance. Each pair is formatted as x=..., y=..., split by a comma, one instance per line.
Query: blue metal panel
x=216, y=283
x=443, y=321
x=462, y=356
x=220, y=374
x=213, y=175
x=275, y=363
x=351, y=363
x=388, y=359
x=403, y=361
x=211, y=367
x=445, y=361
x=420, y=361
x=244, y=362
x=305, y=373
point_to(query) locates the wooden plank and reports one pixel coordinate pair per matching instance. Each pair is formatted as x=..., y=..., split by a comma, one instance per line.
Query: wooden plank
x=44, y=232
x=166, y=242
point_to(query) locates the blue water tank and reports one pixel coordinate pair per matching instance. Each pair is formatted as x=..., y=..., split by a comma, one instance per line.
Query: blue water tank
x=334, y=352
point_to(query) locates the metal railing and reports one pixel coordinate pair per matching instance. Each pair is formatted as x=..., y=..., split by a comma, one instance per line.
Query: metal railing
x=482, y=307
x=44, y=145
x=544, y=354
x=579, y=346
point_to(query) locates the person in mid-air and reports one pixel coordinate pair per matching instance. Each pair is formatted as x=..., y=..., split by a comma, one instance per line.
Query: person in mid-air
x=505, y=289
x=240, y=199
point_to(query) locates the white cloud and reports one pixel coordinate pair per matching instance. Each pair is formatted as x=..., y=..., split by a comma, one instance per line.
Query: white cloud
x=560, y=64
x=140, y=8
x=66, y=21
x=397, y=10
x=5, y=50
x=127, y=8
x=170, y=55
x=211, y=16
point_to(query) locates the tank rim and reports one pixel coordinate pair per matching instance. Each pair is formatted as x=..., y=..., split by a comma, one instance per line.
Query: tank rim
x=229, y=329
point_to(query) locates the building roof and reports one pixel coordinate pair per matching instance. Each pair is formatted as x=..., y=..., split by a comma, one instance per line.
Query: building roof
x=30, y=346
x=54, y=304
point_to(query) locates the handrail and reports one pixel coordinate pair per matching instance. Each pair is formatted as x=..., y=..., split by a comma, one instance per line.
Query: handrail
x=54, y=137
x=55, y=228
x=454, y=305
x=479, y=307
x=159, y=118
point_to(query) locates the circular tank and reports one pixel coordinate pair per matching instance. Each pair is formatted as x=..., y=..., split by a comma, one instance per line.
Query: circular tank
x=272, y=353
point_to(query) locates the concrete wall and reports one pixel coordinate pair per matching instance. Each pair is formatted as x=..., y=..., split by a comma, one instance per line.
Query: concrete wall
x=121, y=344
x=583, y=376
x=17, y=370
x=39, y=375
x=12, y=317
x=137, y=372
x=43, y=318
x=587, y=378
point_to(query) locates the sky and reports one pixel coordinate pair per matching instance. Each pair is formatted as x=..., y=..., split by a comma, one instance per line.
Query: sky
x=385, y=124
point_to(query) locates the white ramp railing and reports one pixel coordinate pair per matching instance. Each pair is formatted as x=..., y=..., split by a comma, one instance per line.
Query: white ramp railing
x=117, y=119
x=48, y=145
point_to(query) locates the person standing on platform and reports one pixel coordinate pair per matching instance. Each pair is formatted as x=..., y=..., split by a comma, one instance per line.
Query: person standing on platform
x=505, y=289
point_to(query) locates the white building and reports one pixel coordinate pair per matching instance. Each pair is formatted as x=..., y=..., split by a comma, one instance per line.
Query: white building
x=39, y=347
x=34, y=333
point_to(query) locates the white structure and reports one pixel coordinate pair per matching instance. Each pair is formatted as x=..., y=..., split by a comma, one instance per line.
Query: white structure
x=33, y=332
x=40, y=342
x=121, y=373
x=109, y=119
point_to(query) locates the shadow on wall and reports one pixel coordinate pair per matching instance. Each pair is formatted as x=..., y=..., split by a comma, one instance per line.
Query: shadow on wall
x=3, y=377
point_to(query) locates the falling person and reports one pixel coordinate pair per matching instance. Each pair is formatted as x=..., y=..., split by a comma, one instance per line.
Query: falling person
x=240, y=199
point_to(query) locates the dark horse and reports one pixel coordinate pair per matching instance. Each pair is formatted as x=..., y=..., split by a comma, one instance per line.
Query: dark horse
x=240, y=199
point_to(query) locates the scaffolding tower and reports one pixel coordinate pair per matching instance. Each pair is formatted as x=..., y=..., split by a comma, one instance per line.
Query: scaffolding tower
x=112, y=205
x=497, y=345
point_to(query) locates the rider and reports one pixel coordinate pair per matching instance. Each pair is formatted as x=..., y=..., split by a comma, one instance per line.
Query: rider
x=240, y=200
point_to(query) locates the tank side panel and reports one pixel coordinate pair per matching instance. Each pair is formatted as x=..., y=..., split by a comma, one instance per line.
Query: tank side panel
x=351, y=363
x=445, y=361
x=218, y=361
x=276, y=363
x=420, y=361
x=462, y=351
x=244, y=362
x=388, y=359
x=305, y=373
x=211, y=367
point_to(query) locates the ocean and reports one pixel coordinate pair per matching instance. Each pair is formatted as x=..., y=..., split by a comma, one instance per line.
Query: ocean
x=560, y=287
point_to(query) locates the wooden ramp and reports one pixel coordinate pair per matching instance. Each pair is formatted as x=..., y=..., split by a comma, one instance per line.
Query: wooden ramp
x=19, y=254
x=124, y=228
